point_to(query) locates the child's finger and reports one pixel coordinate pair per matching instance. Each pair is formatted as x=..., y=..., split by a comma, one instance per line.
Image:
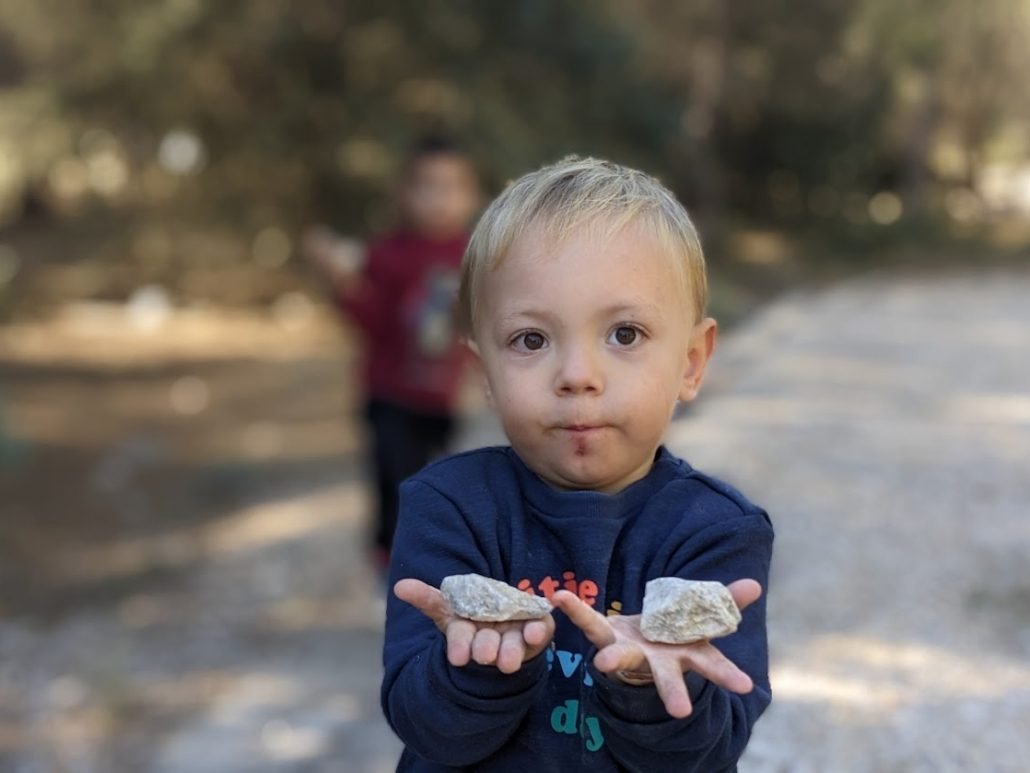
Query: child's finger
x=619, y=657
x=460, y=634
x=425, y=598
x=511, y=652
x=671, y=686
x=745, y=592
x=592, y=623
x=485, y=646
x=717, y=668
x=536, y=633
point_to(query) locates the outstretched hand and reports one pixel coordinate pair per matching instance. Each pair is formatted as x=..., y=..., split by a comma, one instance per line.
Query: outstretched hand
x=507, y=645
x=339, y=258
x=622, y=648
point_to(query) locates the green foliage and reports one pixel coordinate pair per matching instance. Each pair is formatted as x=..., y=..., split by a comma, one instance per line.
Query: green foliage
x=303, y=108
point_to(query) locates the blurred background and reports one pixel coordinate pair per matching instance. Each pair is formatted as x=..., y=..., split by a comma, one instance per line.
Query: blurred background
x=183, y=582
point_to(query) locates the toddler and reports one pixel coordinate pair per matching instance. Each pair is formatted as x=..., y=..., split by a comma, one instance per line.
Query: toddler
x=583, y=296
x=400, y=292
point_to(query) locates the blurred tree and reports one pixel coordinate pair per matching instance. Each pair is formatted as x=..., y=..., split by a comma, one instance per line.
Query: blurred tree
x=293, y=100
x=245, y=116
x=956, y=73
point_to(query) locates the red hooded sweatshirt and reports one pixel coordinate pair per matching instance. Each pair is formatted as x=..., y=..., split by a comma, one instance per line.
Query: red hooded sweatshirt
x=404, y=304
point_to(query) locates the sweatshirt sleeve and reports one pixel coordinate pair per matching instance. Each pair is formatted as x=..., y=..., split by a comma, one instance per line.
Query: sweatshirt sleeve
x=366, y=299
x=639, y=732
x=448, y=715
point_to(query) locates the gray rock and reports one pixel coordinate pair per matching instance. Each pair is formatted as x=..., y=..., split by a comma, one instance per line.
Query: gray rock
x=682, y=611
x=483, y=599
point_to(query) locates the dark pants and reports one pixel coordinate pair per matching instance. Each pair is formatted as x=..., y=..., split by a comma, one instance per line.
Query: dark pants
x=403, y=442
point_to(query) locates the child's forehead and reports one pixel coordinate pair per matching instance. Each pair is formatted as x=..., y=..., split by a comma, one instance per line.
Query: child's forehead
x=448, y=164
x=546, y=242
x=527, y=265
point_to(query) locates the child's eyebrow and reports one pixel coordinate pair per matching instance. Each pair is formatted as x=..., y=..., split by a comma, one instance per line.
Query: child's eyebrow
x=523, y=314
x=629, y=307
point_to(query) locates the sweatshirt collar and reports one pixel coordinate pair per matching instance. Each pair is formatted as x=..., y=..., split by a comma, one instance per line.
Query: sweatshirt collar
x=594, y=504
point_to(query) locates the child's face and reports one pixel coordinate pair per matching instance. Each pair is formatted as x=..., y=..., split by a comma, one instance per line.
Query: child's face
x=586, y=348
x=439, y=194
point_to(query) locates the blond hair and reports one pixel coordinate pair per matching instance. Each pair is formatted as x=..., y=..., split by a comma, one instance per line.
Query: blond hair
x=563, y=198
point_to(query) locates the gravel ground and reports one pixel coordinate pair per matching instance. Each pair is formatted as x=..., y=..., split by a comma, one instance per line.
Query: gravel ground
x=885, y=424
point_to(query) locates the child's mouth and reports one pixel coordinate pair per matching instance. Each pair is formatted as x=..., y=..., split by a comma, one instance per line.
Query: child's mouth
x=582, y=429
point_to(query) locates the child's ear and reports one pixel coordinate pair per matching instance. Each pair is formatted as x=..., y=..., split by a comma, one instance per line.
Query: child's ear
x=478, y=360
x=702, y=344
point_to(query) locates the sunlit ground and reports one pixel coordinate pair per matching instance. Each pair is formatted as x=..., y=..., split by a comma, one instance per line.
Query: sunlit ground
x=186, y=589
x=885, y=424
x=181, y=543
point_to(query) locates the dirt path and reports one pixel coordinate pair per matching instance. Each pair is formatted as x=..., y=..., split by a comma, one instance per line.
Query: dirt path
x=184, y=588
x=886, y=425
x=183, y=581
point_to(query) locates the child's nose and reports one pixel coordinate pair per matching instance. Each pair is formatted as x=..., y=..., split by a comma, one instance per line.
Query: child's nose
x=578, y=372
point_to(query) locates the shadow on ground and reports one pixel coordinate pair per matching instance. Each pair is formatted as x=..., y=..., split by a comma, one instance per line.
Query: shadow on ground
x=185, y=585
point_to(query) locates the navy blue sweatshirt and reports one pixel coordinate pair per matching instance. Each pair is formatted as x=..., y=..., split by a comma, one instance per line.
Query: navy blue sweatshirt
x=486, y=512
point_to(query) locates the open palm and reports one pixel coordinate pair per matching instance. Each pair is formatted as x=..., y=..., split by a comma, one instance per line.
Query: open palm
x=507, y=645
x=622, y=648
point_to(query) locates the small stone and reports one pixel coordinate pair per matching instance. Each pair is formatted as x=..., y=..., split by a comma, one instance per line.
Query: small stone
x=483, y=599
x=683, y=611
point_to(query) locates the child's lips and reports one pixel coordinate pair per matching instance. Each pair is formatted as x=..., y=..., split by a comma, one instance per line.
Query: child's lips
x=582, y=429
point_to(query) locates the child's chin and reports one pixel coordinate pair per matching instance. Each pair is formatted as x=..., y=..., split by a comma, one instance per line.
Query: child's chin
x=591, y=477
x=574, y=473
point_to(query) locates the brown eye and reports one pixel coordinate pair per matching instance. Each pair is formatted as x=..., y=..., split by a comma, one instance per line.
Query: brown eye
x=625, y=336
x=532, y=341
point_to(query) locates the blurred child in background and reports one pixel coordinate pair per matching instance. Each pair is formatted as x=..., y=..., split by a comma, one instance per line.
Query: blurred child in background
x=399, y=289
